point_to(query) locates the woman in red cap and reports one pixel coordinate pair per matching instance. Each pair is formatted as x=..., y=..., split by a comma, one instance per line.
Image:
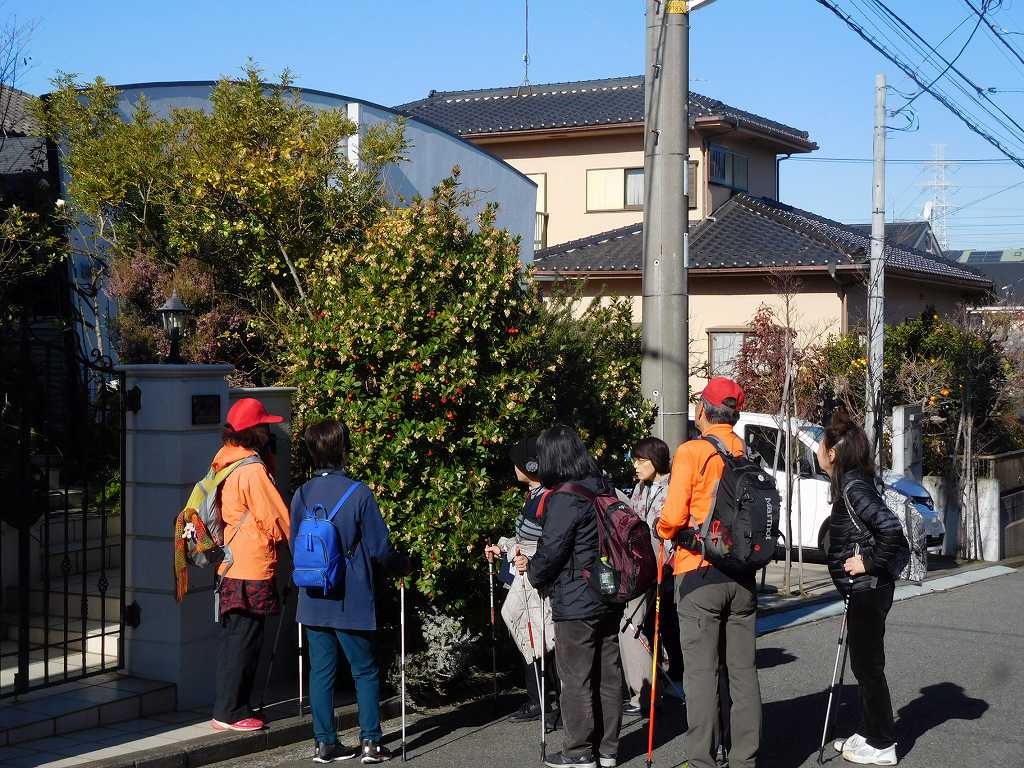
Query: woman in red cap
x=256, y=524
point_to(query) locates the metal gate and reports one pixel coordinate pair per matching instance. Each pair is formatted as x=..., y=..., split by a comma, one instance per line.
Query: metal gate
x=62, y=445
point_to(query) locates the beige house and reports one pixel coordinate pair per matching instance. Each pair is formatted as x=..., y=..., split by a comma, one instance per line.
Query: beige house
x=582, y=143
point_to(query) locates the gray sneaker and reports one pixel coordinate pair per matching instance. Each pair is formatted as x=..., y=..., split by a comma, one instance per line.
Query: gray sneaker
x=607, y=762
x=562, y=760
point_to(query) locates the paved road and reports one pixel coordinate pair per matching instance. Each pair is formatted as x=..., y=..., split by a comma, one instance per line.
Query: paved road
x=955, y=666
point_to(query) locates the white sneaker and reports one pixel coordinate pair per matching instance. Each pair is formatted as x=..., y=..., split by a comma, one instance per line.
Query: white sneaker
x=865, y=754
x=849, y=743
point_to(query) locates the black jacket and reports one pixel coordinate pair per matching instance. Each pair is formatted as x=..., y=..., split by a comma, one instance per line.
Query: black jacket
x=868, y=522
x=567, y=546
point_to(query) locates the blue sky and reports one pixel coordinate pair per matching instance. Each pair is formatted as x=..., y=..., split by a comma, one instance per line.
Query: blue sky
x=790, y=60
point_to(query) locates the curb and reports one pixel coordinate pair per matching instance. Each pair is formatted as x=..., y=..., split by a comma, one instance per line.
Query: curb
x=219, y=746
x=825, y=608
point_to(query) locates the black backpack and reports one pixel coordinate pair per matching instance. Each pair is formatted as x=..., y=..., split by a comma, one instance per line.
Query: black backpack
x=740, y=533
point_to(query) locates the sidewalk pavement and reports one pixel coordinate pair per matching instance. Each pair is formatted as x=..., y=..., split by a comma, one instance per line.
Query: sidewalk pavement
x=185, y=739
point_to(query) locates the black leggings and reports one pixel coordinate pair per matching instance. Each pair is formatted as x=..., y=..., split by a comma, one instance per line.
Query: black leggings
x=866, y=628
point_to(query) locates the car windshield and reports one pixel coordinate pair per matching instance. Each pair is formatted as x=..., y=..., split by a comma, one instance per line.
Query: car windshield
x=814, y=430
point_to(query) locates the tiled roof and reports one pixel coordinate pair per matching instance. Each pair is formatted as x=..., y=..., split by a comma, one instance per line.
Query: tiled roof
x=755, y=233
x=973, y=256
x=14, y=113
x=612, y=101
x=899, y=232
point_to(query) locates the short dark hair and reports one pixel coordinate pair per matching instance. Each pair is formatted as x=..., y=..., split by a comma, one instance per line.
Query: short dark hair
x=243, y=438
x=726, y=413
x=853, y=451
x=328, y=443
x=656, y=451
x=563, y=457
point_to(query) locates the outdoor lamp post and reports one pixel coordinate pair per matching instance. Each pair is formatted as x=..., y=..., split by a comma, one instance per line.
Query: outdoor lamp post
x=172, y=315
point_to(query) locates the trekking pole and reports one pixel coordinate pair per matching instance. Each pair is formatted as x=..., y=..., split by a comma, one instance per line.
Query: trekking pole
x=543, y=680
x=273, y=650
x=401, y=661
x=840, y=667
x=639, y=636
x=654, y=654
x=300, y=670
x=533, y=649
x=494, y=638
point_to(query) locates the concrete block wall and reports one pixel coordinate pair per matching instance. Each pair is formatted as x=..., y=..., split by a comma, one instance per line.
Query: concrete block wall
x=947, y=502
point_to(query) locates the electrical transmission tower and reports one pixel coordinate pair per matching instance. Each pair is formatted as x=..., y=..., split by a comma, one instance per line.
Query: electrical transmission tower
x=938, y=206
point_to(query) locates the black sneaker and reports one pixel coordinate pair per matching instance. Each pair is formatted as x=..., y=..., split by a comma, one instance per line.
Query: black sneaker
x=374, y=752
x=562, y=760
x=527, y=713
x=632, y=710
x=333, y=753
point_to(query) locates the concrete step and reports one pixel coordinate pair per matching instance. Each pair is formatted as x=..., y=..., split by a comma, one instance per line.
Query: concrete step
x=99, y=637
x=97, y=607
x=99, y=700
x=74, y=527
x=87, y=559
x=68, y=498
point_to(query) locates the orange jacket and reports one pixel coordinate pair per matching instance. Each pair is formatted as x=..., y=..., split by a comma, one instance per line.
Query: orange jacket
x=254, y=544
x=691, y=494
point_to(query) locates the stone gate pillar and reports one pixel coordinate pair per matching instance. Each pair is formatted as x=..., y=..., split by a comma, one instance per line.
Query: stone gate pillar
x=170, y=441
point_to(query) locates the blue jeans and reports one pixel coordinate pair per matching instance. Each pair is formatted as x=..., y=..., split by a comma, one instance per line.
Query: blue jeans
x=323, y=645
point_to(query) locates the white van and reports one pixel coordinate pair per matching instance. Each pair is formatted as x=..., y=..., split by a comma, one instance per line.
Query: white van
x=813, y=506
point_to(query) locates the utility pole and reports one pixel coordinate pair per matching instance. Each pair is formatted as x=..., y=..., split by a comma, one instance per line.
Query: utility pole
x=873, y=412
x=664, y=369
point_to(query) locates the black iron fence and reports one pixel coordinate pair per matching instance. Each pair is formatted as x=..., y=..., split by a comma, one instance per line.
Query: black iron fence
x=62, y=441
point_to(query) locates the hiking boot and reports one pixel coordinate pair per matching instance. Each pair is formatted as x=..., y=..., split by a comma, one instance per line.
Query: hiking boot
x=374, y=752
x=527, y=713
x=865, y=754
x=246, y=724
x=849, y=743
x=607, y=762
x=332, y=753
x=562, y=760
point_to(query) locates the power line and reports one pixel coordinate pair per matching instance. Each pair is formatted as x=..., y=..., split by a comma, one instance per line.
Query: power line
x=913, y=75
x=905, y=161
x=951, y=64
x=993, y=27
x=986, y=197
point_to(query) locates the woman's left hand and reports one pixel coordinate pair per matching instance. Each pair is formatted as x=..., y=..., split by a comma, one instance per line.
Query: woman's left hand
x=521, y=562
x=854, y=565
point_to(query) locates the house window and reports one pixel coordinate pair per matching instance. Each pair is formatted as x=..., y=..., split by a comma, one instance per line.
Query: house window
x=634, y=187
x=724, y=347
x=622, y=189
x=606, y=189
x=728, y=169
x=540, y=233
x=691, y=188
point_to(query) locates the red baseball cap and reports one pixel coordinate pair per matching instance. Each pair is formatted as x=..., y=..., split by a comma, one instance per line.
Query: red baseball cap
x=721, y=387
x=249, y=412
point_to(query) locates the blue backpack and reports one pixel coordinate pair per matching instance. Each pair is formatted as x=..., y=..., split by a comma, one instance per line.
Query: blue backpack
x=319, y=560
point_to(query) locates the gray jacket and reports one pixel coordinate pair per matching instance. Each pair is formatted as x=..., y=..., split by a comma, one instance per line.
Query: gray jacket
x=647, y=501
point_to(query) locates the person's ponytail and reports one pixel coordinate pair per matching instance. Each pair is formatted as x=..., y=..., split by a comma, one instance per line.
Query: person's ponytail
x=852, y=450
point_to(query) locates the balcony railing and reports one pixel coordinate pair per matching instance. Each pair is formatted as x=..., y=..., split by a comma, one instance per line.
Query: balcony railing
x=540, y=232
